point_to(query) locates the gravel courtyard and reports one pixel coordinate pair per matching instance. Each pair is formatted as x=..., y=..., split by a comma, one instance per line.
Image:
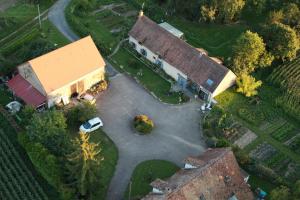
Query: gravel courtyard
x=176, y=134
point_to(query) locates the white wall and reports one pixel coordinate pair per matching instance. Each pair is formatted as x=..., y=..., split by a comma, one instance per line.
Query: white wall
x=28, y=74
x=65, y=91
x=227, y=82
x=169, y=69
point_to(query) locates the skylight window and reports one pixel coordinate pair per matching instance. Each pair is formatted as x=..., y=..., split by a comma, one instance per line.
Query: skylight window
x=210, y=82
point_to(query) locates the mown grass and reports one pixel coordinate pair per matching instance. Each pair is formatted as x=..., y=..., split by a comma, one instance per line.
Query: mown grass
x=145, y=173
x=149, y=79
x=217, y=39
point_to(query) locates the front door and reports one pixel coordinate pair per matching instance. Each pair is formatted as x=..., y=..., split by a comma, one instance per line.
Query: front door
x=80, y=87
x=73, y=88
x=181, y=81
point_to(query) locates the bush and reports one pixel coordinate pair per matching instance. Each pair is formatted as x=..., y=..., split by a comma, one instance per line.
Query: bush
x=143, y=124
x=80, y=113
x=46, y=163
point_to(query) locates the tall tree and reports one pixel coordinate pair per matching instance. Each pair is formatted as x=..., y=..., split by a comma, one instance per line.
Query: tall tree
x=249, y=52
x=280, y=193
x=221, y=10
x=85, y=161
x=49, y=129
x=282, y=41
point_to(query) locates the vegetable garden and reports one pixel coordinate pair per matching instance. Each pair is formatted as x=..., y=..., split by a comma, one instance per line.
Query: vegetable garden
x=16, y=181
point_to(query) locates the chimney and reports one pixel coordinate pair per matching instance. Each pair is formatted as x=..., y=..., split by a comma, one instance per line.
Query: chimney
x=141, y=13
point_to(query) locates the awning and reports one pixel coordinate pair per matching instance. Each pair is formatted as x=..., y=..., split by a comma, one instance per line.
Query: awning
x=24, y=90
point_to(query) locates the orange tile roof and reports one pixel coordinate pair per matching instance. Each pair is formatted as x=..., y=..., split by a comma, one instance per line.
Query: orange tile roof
x=67, y=64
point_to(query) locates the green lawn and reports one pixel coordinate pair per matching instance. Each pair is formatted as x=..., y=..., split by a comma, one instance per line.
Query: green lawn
x=145, y=173
x=149, y=79
x=18, y=15
x=107, y=166
x=217, y=39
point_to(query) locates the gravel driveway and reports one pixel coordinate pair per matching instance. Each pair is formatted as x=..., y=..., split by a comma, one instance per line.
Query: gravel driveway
x=176, y=134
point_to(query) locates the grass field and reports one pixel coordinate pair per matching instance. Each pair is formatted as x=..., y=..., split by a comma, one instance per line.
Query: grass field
x=151, y=80
x=18, y=15
x=145, y=173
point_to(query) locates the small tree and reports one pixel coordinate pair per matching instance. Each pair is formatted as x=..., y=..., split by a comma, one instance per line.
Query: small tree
x=247, y=85
x=280, y=193
x=84, y=162
x=81, y=113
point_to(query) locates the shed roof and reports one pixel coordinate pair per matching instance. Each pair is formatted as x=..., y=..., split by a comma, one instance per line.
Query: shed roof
x=67, y=64
x=196, y=65
x=171, y=29
x=24, y=90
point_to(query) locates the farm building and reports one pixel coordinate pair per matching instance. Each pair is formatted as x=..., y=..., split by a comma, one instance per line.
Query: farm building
x=190, y=67
x=213, y=175
x=54, y=77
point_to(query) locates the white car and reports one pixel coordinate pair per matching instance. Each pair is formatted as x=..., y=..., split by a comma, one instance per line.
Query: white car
x=14, y=107
x=88, y=97
x=91, y=125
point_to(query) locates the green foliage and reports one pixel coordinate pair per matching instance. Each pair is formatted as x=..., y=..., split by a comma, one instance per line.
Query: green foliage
x=241, y=156
x=221, y=10
x=286, y=76
x=49, y=129
x=284, y=44
x=280, y=193
x=26, y=114
x=247, y=85
x=81, y=113
x=46, y=163
x=143, y=124
x=249, y=52
x=252, y=117
x=222, y=142
x=17, y=182
x=83, y=163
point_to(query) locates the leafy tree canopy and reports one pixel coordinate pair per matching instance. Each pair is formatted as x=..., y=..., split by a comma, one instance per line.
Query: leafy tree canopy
x=282, y=41
x=49, y=129
x=249, y=52
x=280, y=193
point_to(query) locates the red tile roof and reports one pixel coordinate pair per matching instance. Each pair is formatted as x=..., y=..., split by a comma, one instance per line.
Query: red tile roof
x=217, y=177
x=24, y=90
x=196, y=65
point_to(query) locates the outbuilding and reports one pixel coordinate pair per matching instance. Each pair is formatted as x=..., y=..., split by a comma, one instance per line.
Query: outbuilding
x=54, y=77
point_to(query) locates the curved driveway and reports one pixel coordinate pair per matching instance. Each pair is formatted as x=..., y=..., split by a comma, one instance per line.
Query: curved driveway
x=176, y=134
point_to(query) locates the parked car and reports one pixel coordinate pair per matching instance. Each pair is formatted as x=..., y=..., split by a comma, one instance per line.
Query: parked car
x=14, y=107
x=87, y=97
x=91, y=125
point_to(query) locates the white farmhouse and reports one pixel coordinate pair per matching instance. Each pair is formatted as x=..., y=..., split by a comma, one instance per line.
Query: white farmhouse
x=190, y=67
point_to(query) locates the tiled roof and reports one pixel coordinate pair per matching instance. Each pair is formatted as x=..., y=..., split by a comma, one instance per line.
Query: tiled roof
x=196, y=65
x=67, y=64
x=218, y=179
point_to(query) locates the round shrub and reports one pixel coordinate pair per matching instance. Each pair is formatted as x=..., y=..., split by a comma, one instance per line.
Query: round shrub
x=143, y=124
